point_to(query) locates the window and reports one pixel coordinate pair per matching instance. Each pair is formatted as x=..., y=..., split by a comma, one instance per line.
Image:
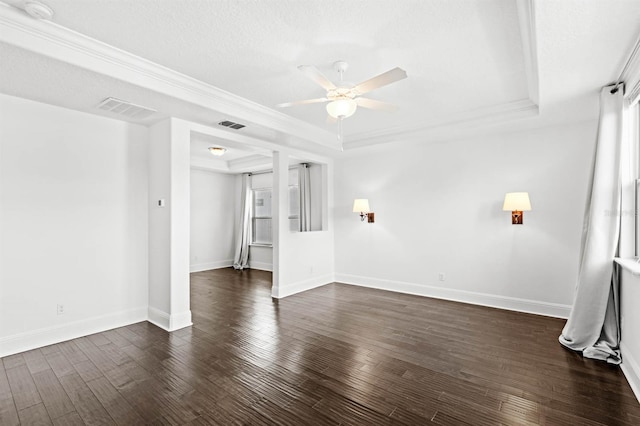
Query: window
x=635, y=135
x=294, y=208
x=261, y=199
x=261, y=220
x=261, y=223
x=637, y=219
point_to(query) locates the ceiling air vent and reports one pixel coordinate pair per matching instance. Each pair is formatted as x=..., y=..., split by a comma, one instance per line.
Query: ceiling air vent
x=231, y=125
x=125, y=108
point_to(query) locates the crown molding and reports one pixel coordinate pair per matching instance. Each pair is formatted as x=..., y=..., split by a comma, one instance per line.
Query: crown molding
x=458, y=124
x=631, y=74
x=250, y=163
x=291, y=146
x=60, y=43
x=210, y=164
x=240, y=165
x=527, y=21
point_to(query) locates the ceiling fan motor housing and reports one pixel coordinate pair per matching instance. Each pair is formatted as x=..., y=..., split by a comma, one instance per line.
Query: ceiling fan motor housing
x=342, y=92
x=344, y=98
x=340, y=66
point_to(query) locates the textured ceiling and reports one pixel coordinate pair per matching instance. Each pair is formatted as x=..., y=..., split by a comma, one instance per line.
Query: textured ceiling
x=32, y=76
x=252, y=48
x=583, y=45
x=452, y=50
x=460, y=55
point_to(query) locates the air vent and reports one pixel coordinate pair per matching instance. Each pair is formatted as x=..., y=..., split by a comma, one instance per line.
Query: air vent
x=125, y=108
x=231, y=125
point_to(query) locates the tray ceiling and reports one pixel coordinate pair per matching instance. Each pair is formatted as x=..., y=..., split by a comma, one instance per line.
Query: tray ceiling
x=464, y=58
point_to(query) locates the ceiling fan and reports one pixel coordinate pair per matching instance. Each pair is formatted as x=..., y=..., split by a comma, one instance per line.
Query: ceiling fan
x=344, y=98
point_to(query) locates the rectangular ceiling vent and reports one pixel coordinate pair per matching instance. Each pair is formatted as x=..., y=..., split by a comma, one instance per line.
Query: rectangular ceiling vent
x=125, y=108
x=231, y=125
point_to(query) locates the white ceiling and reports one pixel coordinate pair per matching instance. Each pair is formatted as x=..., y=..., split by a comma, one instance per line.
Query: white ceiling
x=252, y=48
x=464, y=58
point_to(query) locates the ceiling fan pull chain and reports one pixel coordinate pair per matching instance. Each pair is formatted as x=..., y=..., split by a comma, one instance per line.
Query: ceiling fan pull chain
x=340, y=133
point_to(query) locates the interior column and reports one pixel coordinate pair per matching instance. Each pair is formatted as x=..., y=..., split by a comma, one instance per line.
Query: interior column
x=169, y=305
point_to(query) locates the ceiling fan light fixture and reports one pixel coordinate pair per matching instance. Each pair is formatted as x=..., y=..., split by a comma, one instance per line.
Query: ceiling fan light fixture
x=342, y=108
x=218, y=151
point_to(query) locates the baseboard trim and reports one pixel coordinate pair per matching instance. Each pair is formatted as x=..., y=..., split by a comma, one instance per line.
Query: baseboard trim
x=181, y=320
x=502, y=302
x=207, y=266
x=288, y=290
x=72, y=330
x=169, y=322
x=158, y=318
x=631, y=370
x=262, y=266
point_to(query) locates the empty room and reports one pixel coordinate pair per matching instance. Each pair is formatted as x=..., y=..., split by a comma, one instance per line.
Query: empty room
x=319, y=212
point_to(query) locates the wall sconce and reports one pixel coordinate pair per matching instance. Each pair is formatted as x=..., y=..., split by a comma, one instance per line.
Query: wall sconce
x=361, y=205
x=516, y=202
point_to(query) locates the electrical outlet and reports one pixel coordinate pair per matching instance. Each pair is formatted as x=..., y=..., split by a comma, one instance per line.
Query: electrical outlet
x=60, y=309
x=441, y=276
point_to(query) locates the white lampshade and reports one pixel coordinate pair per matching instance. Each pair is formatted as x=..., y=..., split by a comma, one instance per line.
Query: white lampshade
x=217, y=150
x=361, y=205
x=342, y=108
x=516, y=201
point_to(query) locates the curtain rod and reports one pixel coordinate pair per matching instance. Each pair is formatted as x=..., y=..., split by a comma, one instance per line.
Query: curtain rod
x=271, y=171
x=626, y=65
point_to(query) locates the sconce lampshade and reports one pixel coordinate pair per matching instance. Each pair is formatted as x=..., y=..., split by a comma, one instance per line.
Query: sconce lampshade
x=342, y=108
x=361, y=205
x=516, y=201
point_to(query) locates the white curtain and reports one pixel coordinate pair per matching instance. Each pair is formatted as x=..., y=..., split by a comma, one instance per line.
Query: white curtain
x=305, y=198
x=241, y=259
x=593, y=326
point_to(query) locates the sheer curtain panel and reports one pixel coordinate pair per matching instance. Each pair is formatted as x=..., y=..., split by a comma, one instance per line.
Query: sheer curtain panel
x=305, y=198
x=241, y=259
x=593, y=326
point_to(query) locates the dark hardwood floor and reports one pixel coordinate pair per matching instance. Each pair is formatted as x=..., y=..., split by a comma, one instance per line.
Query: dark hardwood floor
x=334, y=355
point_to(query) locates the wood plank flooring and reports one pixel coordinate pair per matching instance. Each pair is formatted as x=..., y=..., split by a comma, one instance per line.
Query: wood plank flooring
x=334, y=355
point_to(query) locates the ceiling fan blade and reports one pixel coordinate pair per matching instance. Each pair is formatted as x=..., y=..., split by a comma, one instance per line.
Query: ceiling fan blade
x=383, y=79
x=305, y=102
x=378, y=105
x=314, y=74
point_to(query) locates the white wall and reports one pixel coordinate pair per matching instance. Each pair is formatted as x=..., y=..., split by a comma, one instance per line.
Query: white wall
x=73, y=224
x=301, y=260
x=213, y=214
x=261, y=257
x=438, y=210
